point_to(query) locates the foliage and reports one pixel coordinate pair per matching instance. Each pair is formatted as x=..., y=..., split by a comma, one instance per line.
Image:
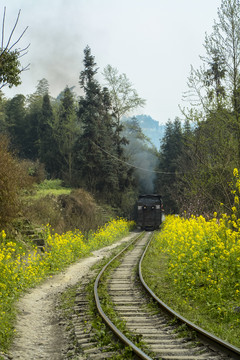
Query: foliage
x=170, y=151
x=13, y=179
x=20, y=270
x=46, y=143
x=202, y=270
x=16, y=123
x=213, y=147
x=90, y=156
x=124, y=97
x=97, y=148
x=10, y=66
x=64, y=208
x=203, y=261
x=2, y=113
x=207, y=160
x=67, y=131
x=50, y=184
x=77, y=141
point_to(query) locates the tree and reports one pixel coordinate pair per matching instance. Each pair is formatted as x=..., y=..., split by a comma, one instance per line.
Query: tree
x=96, y=149
x=226, y=39
x=219, y=84
x=108, y=184
x=170, y=151
x=89, y=154
x=214, y=76
x=12, y=179
x=42, y=87
x=206, y=161
x=214, y=94
x=3, y=123
x=10, y=66
x=124, y=99
x=33, y=119
x=66, y=132
x=16, y=123
x=94, y=145
x=47, y=146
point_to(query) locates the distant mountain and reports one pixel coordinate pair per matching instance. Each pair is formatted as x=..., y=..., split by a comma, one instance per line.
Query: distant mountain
x=151, y=128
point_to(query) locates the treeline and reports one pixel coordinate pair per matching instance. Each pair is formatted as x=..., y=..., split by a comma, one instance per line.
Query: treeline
x=84, y=142
x=80, y=140
x=197, y=158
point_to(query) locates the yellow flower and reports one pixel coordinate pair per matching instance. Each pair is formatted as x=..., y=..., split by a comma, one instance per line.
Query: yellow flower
x=235, y=172
x=3, y=234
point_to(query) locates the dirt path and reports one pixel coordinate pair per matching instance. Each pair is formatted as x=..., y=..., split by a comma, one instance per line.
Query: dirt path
x=38, y=329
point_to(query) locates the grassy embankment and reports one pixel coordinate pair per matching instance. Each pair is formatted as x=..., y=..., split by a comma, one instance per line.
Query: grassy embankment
x=193, y=265
x=64, y=208
x=22, y=266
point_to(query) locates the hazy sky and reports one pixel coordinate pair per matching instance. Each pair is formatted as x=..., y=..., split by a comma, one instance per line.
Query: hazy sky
x=153, y=42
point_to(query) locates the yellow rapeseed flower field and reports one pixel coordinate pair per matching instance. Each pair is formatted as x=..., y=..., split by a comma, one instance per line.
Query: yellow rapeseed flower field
x=204, y=259
x=19, y=271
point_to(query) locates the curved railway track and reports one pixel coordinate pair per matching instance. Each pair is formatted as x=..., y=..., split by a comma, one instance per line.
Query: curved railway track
x=159, y=336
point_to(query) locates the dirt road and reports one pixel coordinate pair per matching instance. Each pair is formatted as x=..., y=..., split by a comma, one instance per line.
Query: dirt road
x=39, y=334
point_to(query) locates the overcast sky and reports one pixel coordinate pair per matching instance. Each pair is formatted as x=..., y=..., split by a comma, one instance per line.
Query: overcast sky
x=154, y=42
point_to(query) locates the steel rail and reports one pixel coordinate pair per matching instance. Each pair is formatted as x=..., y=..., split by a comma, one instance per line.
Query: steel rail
x=205, y=335
x=119, y=334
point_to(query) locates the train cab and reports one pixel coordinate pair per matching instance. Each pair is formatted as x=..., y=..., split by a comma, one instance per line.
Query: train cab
x=149, y=211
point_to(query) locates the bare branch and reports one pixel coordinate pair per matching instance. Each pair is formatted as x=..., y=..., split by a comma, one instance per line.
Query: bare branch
x=19, y=38
x=25, y=67
x=3, y=26
x=14, y=27
x=24, y=49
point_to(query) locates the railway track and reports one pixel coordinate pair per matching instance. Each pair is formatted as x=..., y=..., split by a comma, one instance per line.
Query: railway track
x=157, y=336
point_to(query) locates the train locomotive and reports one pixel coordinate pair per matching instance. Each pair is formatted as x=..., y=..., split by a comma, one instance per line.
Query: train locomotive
x=149, y=211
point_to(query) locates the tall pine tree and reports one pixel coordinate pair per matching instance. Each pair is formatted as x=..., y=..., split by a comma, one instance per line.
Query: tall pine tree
x=67, y=132
x=47, y=145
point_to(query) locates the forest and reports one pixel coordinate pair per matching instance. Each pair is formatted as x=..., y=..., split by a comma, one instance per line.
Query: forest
x=86, y=143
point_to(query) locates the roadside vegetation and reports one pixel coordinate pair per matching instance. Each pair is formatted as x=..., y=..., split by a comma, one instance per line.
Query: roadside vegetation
x=194, y=266
x=21, y=269
x=84, y=143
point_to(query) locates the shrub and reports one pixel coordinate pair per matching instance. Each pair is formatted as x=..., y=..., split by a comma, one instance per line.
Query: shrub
x=13, y=178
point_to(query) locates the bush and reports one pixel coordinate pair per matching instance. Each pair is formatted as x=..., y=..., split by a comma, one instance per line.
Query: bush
x=13, y=178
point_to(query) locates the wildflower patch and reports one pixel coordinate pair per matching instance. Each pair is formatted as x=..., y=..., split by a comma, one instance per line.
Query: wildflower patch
x=20, y=271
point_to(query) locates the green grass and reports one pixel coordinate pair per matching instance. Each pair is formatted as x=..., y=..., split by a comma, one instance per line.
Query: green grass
x=155, y=273
x=50, y=184
x=49, y=187
x=44, y=192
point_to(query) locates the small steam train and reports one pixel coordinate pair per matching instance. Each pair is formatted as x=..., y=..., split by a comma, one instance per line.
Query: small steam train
x=149, y=211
